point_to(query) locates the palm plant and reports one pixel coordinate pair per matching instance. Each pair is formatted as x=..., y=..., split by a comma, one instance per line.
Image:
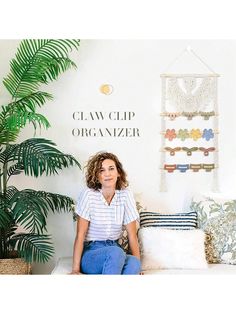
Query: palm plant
x=36, y=62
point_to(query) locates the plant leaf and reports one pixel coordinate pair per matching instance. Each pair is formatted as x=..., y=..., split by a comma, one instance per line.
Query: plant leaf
x=38, y=61
x=33, y=247
x=30, y=102
x=30, y=208
x=14, y=170
x=40, y=156
x=13, y=118
x=16, y=121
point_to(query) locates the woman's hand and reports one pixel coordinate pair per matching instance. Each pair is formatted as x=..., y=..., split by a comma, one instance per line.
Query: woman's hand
x=74, y=272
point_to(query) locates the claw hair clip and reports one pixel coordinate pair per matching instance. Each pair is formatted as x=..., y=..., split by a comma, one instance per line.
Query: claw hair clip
x=206, y=150
x=195, y=134
x=195, y=167
x=189, y=115
x=170, y=134
x=183, y=134
x=189, y=151
x=172, y=151
x=170, y=168
x=171, y=115
x=182, y=167
x=208, y=167
x=208, y=134
x=206, y=115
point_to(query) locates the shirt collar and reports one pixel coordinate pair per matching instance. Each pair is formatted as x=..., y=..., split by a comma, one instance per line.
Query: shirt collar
x=104, y=200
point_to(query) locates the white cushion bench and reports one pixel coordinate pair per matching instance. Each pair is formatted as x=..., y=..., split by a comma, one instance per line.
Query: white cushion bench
x=64, y=264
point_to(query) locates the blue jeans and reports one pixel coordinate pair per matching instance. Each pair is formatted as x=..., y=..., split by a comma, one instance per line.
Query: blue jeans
x=107, y=257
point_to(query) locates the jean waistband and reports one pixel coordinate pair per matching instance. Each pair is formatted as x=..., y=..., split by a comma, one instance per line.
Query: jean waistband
x=105, y=242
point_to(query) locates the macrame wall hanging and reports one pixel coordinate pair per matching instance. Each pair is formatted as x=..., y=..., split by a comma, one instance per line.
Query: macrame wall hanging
x=189, y=124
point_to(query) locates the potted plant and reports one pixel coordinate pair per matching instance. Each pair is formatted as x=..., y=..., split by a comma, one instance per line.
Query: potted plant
x=23, y=214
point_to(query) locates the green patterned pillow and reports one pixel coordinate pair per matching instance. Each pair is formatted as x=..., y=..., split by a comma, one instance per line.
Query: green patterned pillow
x=217, y=217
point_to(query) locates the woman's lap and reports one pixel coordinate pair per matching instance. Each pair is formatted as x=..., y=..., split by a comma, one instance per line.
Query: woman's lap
x=107, y=257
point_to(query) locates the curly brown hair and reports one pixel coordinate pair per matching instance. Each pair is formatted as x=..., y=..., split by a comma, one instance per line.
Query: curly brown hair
x=93, y=166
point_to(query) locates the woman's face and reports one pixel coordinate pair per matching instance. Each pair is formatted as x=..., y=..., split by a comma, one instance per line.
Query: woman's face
x=108, y=174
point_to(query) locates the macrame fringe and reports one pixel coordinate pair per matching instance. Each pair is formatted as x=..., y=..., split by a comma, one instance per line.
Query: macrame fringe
x=212, y=84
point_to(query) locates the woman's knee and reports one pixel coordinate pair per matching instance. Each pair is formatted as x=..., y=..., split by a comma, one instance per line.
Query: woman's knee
x=114, y=261
x=133, y=265
x=116, y=254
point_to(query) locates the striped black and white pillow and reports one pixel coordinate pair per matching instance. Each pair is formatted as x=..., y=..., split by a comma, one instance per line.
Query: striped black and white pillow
x=179, y=221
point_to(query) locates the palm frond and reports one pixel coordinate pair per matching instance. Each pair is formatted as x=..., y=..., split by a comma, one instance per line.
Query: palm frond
x=28, y=211
x=58, y=66
x=56, y=202
x=33, y=247
x=30, y=102
x=14, y=170
x=7, y=154
x=10, y=231
x=38, y=61
x=30, y=208
x=39, y=156
x=11, y=191
x=17, y=121
x=7, y=136
x=12, y=119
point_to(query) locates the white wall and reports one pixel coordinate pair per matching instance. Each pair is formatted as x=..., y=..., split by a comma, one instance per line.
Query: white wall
x=133, y=68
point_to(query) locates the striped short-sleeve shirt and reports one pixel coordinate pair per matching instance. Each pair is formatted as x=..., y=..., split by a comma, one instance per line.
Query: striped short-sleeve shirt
x=106, y=221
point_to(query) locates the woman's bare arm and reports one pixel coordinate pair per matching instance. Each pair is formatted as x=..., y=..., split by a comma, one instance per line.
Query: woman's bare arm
x=82, y=228
x=133, y=240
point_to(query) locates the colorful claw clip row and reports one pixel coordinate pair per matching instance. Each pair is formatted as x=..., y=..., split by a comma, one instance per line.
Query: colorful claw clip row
x=183, y=134
x=189, y=115
x=184, y=167
x=189, y=151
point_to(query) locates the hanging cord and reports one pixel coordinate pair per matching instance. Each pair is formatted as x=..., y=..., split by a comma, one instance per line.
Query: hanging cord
x=173, y=62
x=203, y=62
x=189, y=50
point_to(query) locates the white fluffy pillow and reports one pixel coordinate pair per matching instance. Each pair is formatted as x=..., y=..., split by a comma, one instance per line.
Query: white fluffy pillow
x=164, y=248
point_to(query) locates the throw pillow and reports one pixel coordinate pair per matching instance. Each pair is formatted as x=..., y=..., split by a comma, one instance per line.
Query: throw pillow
x=217, y=217
x=180, y=221
x=177, y=249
